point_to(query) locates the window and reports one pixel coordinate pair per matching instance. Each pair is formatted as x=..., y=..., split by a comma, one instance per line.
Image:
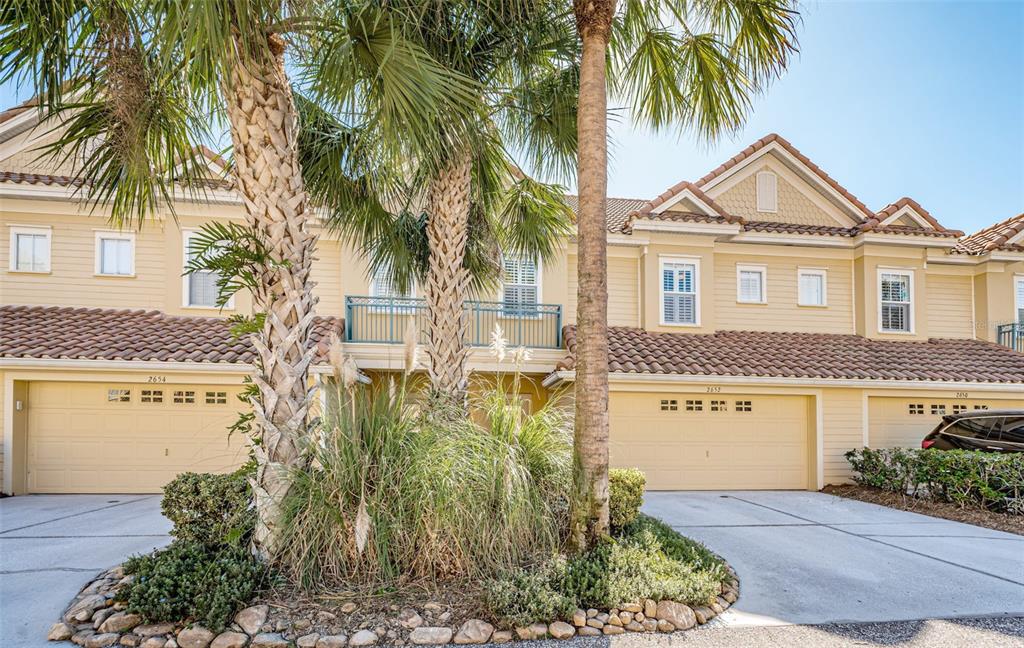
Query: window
x=744, y=406
x=669, y=405
x=767, y=192
x=915, y=408
x=115, y=254
x=216, y=398
x=520, y=290
x=894, y=302
x=812, y=287
x=719, y=406
x=382, y=286
x=119, y=395
x=200, y=288
x=957, y=409
x=694, y=406
x=981, y=407
x=30, y=249
x=151, y=396
x=750, y=284
x=1019, y=292
x=938, y=410
x=679, y=303
x=184, y=397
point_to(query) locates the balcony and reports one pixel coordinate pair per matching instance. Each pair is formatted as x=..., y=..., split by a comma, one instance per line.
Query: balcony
x=386, y=319
x=1011, y=335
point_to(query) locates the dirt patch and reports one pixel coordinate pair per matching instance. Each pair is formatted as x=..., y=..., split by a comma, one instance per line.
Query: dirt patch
x=944, y=510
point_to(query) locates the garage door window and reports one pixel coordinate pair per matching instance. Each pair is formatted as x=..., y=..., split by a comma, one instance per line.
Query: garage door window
x=938, y=410
x=184, y=397
x=719, y=406
x=669, y=405
x=744, y=406
x=119, y=395
x=694, y=406
x=959, y=408
x=915, y=408
x=216, y=398
x=152, y=396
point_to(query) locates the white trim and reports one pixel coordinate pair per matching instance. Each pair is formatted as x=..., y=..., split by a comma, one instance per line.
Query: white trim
x=8, y=484
x=763, y=271
x=627, y=240
x=807, y=240
x=911, y=302
x=675, y=227
x=819, y=439
x=1016, y=238
x=72, y=194
x=30, y=230
x=113, y=235
x=186, y=235
x=690, y=260
x=762, y=205
x=686, y=192
x=907, y=210
x=918, y=240
x=1018, y=295
x=123, y=365
x=816, y=272
x=538, y=284
x=865, y=422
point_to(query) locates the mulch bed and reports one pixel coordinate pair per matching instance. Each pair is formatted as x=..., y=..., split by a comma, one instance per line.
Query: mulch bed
x=944, y=510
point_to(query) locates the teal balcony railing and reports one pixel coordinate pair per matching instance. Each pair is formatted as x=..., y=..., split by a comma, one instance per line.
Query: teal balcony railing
x=386, y=319
x=1011, y=335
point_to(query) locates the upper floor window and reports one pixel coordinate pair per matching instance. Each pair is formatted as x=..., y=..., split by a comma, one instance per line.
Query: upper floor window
x=751, y=285
x=679, y=304
x=767, y=192
x=200, y=288
x=1019, y=292
x=520, y=290
x=895, y=307
x=812, y=287
x=30, y=249
x=115, y=254
x=382, y=285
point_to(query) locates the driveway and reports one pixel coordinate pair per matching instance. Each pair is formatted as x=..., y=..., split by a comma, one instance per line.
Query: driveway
x=811, y=558
x=51, y=545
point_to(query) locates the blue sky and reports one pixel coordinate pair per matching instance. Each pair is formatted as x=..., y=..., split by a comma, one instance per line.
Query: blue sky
x=924, y=99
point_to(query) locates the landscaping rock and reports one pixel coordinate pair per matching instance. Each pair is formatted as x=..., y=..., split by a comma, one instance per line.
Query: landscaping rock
x=195, y=637
x=154, y=629
x=632, y=608
x=84, y=607
x=430, y=636
x=433, y=607
x=625, y=617
x=591, y=613
x=639, y=617
x=131, y=640
x=634, y=626
x=154, y=642
x=729, y=596
x=363, y=638
x=588, y=631
x=171, y=643
x=474, y=631
x=594, y=623
x=703, y=614
x=602, y=617
x=332, y=641
x=80, y=637
x=349, y=608
x=613, y=630
x=650, y=608
x=665, y=626
x=301, y=624
x=410, y=619
x=120, y=622
x=650, y=625
x=614, y=620
x=501, y=636
x=561, y=630
x=579, y=618
x=230, y=639
x=307, y=641
x=679, y=615
x=99, y=616
x=268, y=640
x=60, y=632
x=102, y=640
x=251, y=619
x=723, y=603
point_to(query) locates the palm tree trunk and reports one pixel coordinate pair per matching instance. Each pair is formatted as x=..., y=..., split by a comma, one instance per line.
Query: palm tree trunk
x=448, y=278
x=588, y=516
x=262, y=118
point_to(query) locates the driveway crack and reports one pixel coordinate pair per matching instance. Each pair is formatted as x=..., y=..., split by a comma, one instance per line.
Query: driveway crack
x=71, y=515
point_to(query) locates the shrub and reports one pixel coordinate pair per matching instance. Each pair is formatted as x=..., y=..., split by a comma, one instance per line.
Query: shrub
x=189, y=581
x=210, y=509
x=965, y=478
x=528, y=596
x=625, y=495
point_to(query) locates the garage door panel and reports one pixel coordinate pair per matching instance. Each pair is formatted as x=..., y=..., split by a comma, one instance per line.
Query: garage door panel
x=900, y=422
x=81, y=441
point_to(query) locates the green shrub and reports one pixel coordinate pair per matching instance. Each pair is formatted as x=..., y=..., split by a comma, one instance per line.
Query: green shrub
x=210, y=509
x=189, y=581
x=965, y=478
x=526, y=596
x=625, y=495
x=679, y=547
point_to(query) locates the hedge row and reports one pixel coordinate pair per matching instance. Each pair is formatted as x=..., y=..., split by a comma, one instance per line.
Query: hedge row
x=985, y=479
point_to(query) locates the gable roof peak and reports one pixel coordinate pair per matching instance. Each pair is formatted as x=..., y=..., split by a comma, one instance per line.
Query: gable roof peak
x=994, y=237
x=878, y=222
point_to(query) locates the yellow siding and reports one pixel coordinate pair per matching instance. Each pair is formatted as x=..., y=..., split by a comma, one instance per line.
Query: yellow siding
x=842, y=420
x=28, y=160
x=793, y=206
x=949, y=306
x=623, y=289
x=781, y=312
x=327, y=275
x=3, y=417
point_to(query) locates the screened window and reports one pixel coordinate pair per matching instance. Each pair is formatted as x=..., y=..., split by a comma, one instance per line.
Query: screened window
x=30, y=249
x=767, y=192
x=812, y=288
x=200, y=287
x=679, y=293
x=520, y=289
x=115, y=255
x=750, y=284
x=894, y=293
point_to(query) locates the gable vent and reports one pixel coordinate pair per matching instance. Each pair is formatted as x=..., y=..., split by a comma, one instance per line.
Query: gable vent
x=767, y=192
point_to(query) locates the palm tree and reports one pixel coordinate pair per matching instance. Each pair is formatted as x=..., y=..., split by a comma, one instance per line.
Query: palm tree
x=135, y=84
x=693, y=64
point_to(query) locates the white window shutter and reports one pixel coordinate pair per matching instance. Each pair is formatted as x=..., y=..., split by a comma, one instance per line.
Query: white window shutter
x=767, y=192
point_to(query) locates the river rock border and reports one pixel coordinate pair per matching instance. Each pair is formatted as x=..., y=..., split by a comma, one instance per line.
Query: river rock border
x=95, y=620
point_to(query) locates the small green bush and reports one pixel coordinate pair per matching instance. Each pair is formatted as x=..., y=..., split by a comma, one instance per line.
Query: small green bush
x=966, y=478
x=625, y=495
x=188, y=581
x=526, y=596
x=210, y=509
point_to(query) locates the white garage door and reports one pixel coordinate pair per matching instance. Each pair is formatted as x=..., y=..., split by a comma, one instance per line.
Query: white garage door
x=710, y=442
x=127, y=438
x=903, y=422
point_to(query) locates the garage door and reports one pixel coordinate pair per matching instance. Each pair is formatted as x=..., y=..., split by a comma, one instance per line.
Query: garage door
x=127, y=438
x=702, y=442
x=903, y=422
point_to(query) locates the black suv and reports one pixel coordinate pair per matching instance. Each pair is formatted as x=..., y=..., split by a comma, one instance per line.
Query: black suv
x=987, y=430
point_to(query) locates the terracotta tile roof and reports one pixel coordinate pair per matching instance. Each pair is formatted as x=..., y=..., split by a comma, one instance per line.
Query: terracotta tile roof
x=14, y=111
x=107, y=334
x=993, y=238
x=874, y=223
x=39, y=179
x=805, y=355
x=796, y=228
x=645, y=210
x=616, y=210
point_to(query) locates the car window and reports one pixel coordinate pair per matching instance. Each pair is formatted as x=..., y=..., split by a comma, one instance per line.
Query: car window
x=975, y=428
x=1013, y=429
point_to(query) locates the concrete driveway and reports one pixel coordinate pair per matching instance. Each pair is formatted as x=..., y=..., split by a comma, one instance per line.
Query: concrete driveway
x=51, y=545
x=811, y=558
